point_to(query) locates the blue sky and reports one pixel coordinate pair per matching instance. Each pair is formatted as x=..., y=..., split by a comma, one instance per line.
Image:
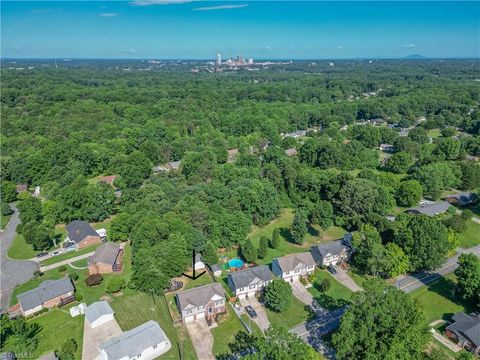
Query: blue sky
x=273, y=30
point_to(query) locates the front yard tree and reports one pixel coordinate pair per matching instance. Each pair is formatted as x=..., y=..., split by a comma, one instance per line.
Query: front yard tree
x=249, y=252
x=409, y=193
x=278, y=295
x=369, y=254
x=299, y=227
x=395, y=260
x=382, y=322
x=275, y=242
x=468, y=275
x=424, y=239
x=263, y=247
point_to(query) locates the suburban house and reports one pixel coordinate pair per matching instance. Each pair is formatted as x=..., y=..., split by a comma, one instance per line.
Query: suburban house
x=465, y=331
x=201, y=302
x=106, y=259
x=98, y=313
x=109, y=179
x=145, y=342
x=430, y=209
x=462, y=199
x=82, y=234
x=292, y=267
x=248, y=282
x=333, y=252
x=50, y=293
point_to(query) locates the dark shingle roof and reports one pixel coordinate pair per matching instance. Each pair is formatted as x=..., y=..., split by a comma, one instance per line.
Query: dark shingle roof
x=246, y=277
x=49, y=289
x=105, y=254
x=333, y=247
x=463, y=198
x=199, y=296
x=135, y=341
x=78, y=230
x=466, y=327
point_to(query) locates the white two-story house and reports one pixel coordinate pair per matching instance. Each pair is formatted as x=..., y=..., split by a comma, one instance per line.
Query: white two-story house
x=333, y=252
x=203, y=302
x=293, y=266
x=247, y=282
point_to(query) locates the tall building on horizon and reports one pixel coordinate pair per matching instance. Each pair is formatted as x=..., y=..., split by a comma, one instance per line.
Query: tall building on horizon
x=219, y=59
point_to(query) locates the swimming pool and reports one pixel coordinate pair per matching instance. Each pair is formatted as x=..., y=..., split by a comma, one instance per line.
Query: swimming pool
x=235, y=263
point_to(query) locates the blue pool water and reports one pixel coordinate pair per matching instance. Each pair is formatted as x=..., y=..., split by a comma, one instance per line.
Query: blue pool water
x=235, y=263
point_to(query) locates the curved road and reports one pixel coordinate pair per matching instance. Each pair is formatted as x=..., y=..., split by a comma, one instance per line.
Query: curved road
x=12, y=272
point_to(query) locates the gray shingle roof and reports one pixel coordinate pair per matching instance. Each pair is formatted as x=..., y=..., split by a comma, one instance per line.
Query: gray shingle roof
x=96, y=310
x=135, y=341
x=199, y=296
x=431, y=209
x=333, y=247
x=246, y=277
x=47, y=290
x=466, y=327
x=292, y=261
x=105, y=254
x=78, y=230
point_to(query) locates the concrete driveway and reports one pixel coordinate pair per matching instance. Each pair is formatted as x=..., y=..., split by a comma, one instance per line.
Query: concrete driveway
x=343, y=278
x=13, y=272
x=302, y=294
x=93, y=338
x=202, y=339
x=261, y=320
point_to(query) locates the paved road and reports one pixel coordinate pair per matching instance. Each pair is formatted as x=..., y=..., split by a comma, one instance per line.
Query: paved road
x=67, y=262
x=408, y=283
x=13, y=272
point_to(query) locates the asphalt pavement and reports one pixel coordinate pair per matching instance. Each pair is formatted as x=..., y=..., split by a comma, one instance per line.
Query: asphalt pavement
x=13, y=272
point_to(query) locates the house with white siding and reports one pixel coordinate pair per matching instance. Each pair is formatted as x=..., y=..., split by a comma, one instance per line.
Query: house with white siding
x=292, y=267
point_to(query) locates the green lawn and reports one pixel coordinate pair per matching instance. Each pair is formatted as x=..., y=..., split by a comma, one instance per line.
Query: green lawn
x=20, y=250
x=295, y=314
x=471, y=236
x=437, y=299
x=336, y=296
x=138, y=308
x=57, y=326
x=81, y=263
x=434, y=133
x=4, y=219
x=224, y=333
x=283, y=222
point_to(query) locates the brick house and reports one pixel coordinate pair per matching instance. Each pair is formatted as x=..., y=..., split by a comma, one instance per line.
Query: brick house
x=465, y=331
x=203, y=302
x=106, y=259
x=82, y=234
x=49, y=294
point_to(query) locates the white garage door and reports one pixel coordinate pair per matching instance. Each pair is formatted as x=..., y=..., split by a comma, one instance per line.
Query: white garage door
x=188, y=319
x=200, y=315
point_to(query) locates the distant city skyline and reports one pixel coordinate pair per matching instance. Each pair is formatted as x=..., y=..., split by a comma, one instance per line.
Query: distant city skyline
x=181, y=29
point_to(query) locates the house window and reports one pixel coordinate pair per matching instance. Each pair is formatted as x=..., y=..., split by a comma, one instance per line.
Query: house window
x=189, y=311
x=219, y=303
x=252, y=286
x=297, y=271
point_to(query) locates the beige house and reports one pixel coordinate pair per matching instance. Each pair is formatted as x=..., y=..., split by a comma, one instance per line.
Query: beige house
x=107, y=259
x=292, y=267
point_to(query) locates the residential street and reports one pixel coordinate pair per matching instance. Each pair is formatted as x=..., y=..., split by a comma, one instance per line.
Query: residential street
x=13, y=272
x=408, y=283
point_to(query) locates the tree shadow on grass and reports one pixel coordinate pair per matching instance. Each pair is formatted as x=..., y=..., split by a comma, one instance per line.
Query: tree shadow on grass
x=312, y=231
x=287, y=235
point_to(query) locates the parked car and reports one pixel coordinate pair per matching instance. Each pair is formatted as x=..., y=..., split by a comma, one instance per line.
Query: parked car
x=250, y=311
x=55, y=253
x=331, y=269
x=42, y=254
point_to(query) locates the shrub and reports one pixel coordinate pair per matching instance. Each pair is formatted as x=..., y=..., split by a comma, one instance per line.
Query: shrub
x=275, y=241
x=278, y=295
x=6, y=210
x=456, y=222
x=263, y=248
x=62, y=268
x=325, y=285
x=467, y=214
x=93, y=280
x=37, y=273
x=451, y=210
x=115, y=284
x=78, y=297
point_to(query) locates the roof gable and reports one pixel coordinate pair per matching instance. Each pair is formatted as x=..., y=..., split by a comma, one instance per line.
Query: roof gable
x=199, y=296
x=250, y=276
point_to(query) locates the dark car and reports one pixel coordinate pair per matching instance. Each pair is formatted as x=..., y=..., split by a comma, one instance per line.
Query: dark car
x=251, y=312
x=331, y=269
x=42, y=254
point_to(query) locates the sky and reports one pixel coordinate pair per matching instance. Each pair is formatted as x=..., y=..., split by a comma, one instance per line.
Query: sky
x=181, y=29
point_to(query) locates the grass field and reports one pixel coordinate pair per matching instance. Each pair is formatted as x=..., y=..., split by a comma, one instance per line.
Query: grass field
x=81, y=263
x=437, y=299
x=283, y=222
x=471, y=236
x=228, y=326
x=20, y=250
x=434, y=133
x=4, y=219
x=336, y=296
x=295, y=314
x=138, y=308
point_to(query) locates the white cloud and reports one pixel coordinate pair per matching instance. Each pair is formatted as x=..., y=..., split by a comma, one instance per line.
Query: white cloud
x=108, y=14
x=408, y=46
x=221, y=7
x=157, y=2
